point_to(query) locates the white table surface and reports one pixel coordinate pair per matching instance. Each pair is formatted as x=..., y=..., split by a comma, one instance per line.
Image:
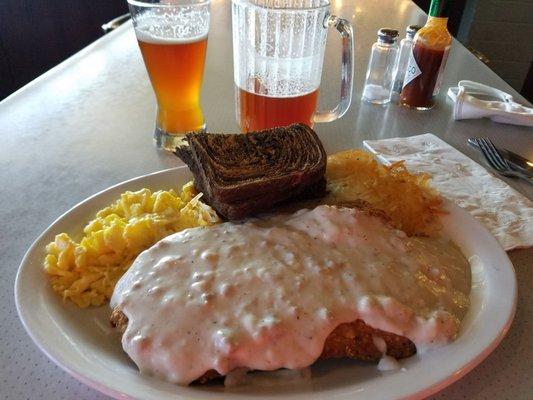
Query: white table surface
x=87, y=124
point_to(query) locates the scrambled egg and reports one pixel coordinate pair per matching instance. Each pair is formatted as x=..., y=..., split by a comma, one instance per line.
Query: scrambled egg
x=86, y=272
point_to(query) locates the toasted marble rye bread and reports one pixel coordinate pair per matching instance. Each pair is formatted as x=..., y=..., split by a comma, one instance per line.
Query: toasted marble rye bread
x=351, y=340
x=241, y=175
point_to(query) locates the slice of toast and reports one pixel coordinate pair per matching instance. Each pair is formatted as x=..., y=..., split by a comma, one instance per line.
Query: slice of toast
x=246, y=174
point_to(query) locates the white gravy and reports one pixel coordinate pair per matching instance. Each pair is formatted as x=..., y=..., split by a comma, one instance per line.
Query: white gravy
x=265, y=294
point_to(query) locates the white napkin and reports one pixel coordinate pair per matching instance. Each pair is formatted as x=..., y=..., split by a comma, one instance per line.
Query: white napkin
x=471, y=101
x=505, y=212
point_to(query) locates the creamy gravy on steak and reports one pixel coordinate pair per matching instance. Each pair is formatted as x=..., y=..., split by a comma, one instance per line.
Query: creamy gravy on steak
x=266, y=293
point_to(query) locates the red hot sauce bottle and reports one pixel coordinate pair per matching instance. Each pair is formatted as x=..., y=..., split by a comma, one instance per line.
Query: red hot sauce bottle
x=431, y=46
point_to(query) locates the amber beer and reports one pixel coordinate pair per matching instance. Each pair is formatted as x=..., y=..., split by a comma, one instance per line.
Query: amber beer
x=258, y=112
x=176, y=67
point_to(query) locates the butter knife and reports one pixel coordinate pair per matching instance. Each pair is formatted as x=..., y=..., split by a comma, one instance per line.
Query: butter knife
x=516, y=161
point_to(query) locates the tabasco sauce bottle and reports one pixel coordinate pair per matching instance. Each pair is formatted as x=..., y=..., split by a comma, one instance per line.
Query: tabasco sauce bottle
x=431, y=46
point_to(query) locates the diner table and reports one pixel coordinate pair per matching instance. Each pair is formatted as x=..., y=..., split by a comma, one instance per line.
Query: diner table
x=87, y=124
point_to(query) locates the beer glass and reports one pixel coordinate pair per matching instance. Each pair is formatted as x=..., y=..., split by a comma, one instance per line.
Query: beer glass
x=172, y=36
x=278, y=50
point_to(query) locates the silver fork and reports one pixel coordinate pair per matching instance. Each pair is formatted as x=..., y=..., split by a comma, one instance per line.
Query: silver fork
x=496, y=161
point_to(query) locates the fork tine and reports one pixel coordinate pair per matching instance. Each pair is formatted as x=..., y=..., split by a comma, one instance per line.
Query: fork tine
x=497, y=154
x=489, y=156
x=496, y=161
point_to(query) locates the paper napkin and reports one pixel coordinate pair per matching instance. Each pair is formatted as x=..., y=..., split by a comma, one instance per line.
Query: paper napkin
x=505, y=212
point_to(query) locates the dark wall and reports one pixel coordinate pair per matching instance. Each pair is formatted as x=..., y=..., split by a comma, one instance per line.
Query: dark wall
x=455, y=14
x=36, y=35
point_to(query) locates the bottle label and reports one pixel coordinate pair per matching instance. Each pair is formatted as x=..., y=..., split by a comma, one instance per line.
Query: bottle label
x=441, y=71
x=412, y=71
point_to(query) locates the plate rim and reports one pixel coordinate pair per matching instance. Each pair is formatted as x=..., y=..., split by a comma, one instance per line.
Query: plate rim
x=103, y=388
x=37, y=341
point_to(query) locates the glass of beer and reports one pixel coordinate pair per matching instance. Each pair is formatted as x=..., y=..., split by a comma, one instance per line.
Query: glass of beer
x=172, y=36
x=278, y=51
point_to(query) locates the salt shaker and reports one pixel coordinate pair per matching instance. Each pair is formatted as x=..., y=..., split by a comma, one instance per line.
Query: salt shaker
x=379, y=78
x=403, y=57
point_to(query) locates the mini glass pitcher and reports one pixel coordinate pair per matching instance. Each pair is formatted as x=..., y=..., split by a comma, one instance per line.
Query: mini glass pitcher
x=278, y=50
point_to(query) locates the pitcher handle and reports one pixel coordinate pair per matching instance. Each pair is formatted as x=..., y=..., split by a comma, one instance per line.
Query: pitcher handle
x=345, y=29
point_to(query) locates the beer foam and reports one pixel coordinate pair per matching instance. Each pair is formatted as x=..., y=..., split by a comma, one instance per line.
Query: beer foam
x=279, y=77
x=279, y=94
x=183, y=25
x=160, y=36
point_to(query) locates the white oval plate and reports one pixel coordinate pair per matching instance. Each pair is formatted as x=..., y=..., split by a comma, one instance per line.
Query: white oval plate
x=83, y=343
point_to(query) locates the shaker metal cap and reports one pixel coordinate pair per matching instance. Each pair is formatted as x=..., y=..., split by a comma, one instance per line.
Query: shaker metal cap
x=387, y=35
x=411, y=31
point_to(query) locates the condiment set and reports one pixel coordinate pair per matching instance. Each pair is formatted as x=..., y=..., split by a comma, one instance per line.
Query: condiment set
x=414, y=69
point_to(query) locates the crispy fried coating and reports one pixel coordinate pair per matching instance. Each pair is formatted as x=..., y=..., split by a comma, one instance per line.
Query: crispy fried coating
x=349, y=340
x=352, y=340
